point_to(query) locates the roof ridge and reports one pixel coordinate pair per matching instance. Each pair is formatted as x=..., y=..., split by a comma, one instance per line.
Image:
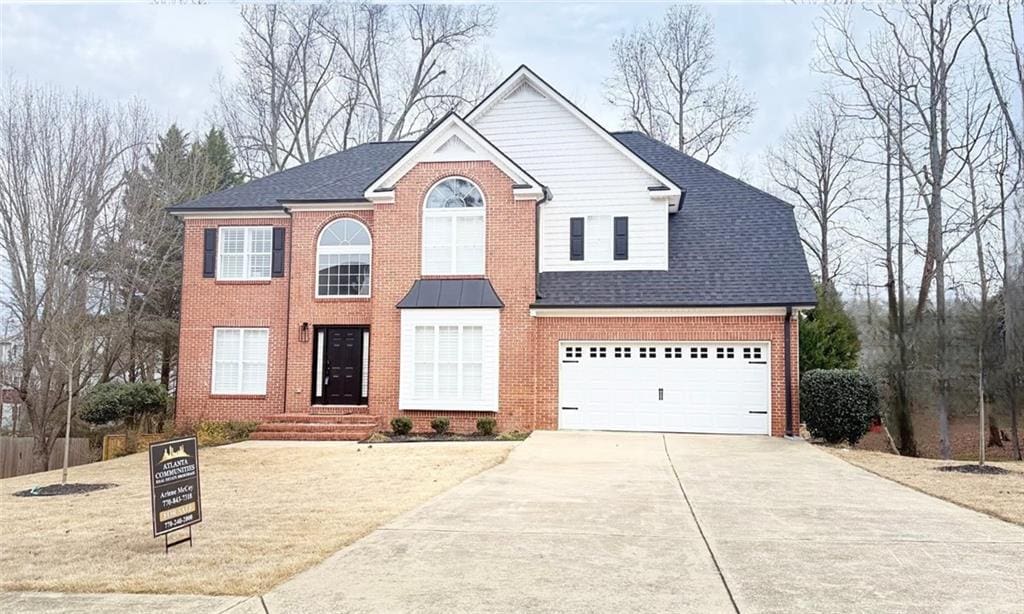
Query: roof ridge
x=706, y=165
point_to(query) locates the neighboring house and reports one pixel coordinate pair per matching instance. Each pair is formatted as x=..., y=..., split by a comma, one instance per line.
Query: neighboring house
x=520, y=262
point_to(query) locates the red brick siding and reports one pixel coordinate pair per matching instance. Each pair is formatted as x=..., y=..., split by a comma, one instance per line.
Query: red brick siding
x=550, y=331
x=207, y=303
x=528, y=380
x=509, y=266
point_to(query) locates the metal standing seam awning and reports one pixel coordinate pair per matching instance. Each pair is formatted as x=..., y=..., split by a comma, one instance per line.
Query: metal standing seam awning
x=451, y=294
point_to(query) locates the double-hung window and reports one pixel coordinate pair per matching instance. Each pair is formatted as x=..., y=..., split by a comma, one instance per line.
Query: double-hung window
x=244, y=252
x=453, y=229
x=240, y=360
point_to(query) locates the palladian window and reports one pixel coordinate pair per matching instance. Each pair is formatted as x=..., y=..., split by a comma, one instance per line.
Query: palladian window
x=453, y=229
x=343, y=260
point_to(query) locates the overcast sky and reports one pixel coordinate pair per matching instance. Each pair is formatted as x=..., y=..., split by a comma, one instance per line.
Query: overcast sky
x=169, y=55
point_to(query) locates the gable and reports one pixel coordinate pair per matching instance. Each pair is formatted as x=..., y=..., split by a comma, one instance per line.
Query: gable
x=453, y=140
x=525, y=104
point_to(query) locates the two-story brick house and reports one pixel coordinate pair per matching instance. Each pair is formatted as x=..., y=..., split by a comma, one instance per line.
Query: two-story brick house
x=519, y=262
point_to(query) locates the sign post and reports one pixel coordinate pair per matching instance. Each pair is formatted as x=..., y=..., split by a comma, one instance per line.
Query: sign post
x=174, y=488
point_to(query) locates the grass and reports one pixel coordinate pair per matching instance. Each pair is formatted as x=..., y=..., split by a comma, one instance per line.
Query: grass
x=1001, y=496
x=269, y=511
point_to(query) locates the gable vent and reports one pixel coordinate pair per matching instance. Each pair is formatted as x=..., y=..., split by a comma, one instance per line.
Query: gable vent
x=524, y=93
x=454, y=146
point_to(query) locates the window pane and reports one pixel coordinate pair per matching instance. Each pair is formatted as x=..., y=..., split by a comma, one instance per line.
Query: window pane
x=232, y=240
x=599, y=238
x=454, y=193
x=255, y=345
x=472, y=343
x=254, y=378
x=225, y=380
x=469, y=249
x=448, y=343
x=472, y=380
x=424, y=343
x=437, y=245
x=345, y=232
x=231, y=266
x=343, y=275
x=227, y=344
x=259, y=266
x=261, y=240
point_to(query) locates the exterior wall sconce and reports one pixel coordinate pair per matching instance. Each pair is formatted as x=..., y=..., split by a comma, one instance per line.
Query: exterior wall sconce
x=304, y=332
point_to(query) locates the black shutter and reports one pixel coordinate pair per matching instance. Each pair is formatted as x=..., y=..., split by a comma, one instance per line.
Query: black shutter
x=209, y=252
x=575, y=238
x=622, y=238
x=277, y=259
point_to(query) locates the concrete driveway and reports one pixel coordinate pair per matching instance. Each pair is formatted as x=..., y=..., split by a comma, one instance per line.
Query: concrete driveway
x=610, y=522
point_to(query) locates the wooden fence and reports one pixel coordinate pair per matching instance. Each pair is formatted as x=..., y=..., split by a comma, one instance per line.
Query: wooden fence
x=16, y=454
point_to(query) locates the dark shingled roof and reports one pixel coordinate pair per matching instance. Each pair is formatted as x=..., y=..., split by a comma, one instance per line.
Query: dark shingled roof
x=730, y=244
x=343, y=176
x=450, y=293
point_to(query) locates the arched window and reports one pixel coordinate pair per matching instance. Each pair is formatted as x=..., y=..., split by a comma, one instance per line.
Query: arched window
x=453, y=228
x=343, y=259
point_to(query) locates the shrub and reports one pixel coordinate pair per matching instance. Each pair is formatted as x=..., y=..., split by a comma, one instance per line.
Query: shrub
x=401, y=425
x=828, y=335
x=128, y=403
x=513, y=435
x=210, y=433
x=440, y=425
x=838, y=404
x=486, y=426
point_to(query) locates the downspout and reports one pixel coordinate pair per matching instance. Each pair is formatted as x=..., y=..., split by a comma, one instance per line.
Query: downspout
x=536, y=244
x=787, y=355
x=289, y=240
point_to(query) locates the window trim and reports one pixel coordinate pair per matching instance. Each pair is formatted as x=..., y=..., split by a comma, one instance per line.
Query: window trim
x=348, y=249
x=241, y=361
x=452, y=214
x=246, y=253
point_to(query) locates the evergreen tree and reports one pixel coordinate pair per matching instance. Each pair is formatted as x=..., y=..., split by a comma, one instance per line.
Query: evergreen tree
x=828, y=335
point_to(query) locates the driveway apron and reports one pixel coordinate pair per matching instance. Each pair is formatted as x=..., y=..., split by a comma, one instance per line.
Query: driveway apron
x=629, y=522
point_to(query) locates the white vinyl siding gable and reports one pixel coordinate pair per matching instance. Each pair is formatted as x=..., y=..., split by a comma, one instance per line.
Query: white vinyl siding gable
x=449, y=359
x=586, y=176
x=240, y=360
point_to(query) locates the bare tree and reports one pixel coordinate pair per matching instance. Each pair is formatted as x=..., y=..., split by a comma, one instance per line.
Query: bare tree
x=62, y=162
x=321, y=78
x=816, y=166
x=927, y=38
x=280, y=112
x=666, y=82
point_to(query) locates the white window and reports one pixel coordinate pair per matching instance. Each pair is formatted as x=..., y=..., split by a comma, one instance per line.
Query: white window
x=343, y=259
x=449, y=363
x=453, y=229
x=449, y=359
x=244, y=252
x=240, y=360
x=598, y=237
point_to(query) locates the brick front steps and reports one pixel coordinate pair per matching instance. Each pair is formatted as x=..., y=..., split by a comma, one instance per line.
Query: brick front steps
x=321, y=426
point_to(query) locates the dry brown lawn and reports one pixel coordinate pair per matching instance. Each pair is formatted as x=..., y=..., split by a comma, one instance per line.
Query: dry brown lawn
x=268, y=512
x=1001, y=496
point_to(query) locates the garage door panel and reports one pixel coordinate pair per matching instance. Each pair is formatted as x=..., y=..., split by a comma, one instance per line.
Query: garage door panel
x=681, y=387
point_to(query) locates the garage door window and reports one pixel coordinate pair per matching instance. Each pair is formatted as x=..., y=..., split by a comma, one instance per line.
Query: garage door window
x=698, y=352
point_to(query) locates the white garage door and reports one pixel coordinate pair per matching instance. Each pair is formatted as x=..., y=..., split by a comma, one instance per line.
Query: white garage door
x=672, y=387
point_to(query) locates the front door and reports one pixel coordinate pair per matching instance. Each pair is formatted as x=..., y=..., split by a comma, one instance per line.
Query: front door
x=339, y=364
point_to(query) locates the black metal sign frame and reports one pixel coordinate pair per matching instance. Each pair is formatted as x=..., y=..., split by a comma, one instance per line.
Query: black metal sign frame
x=174, y=488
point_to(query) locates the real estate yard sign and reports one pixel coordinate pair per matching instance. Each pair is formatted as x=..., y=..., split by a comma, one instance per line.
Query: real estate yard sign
x=174, y=480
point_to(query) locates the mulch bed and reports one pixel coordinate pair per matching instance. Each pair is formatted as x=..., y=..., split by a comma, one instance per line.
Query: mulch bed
x=422, y=437
x=963, y=431
x=975, y=469
x=57, y=490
